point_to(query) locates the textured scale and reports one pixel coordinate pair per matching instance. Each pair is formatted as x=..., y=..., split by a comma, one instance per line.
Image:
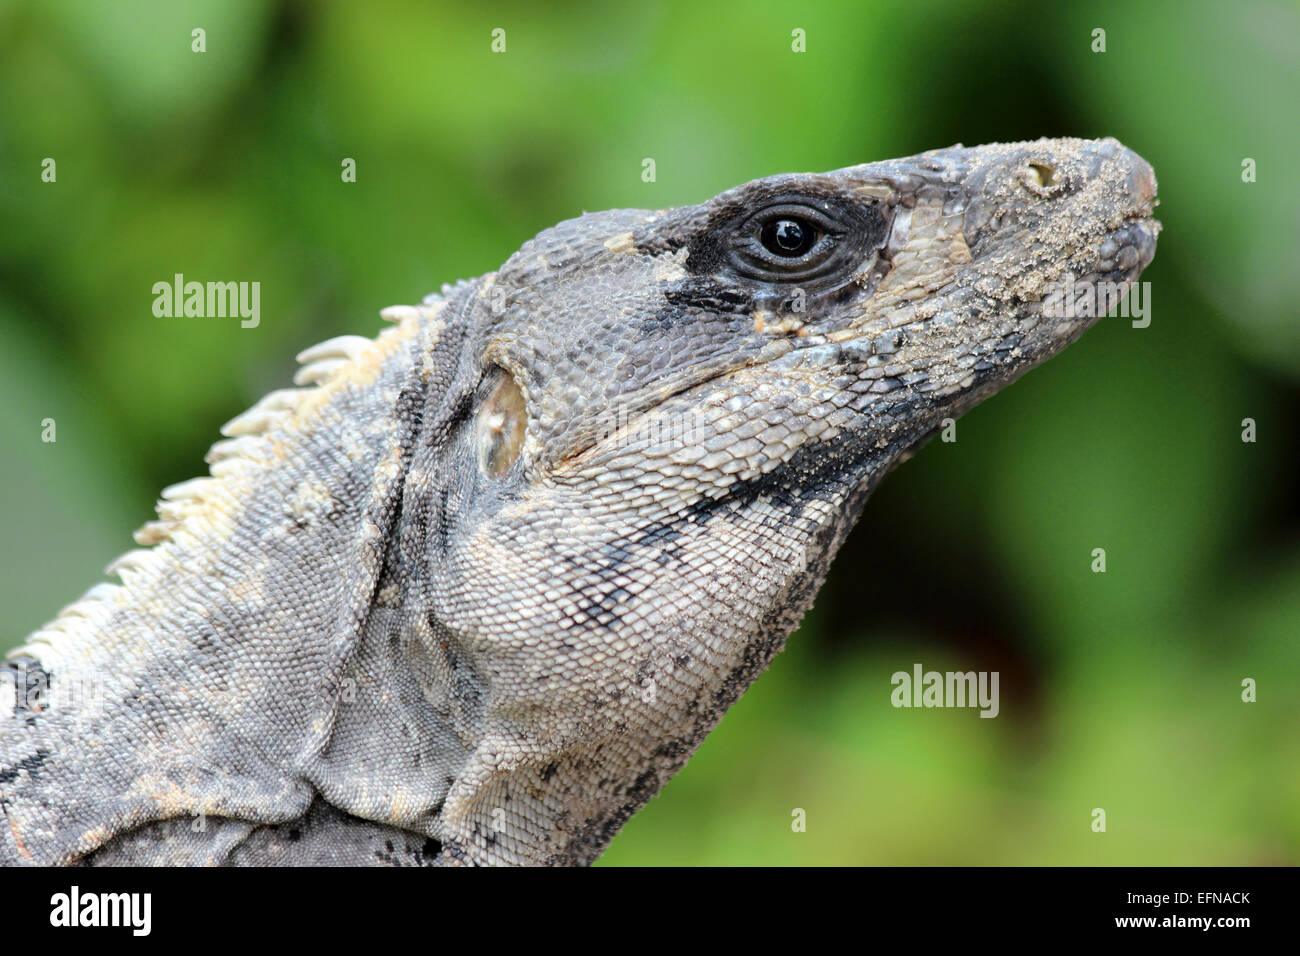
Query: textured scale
x=482, y=585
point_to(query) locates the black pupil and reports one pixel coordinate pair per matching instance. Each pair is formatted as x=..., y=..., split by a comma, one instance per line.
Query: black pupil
x=788, y=237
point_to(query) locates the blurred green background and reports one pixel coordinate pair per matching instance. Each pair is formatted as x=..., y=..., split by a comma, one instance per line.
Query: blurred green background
x=1119, y=690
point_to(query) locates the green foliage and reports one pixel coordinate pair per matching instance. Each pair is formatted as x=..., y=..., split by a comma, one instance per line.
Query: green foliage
x=226, y=165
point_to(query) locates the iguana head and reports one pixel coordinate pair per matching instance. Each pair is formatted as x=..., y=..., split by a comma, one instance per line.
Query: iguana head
x=924, y=276
x=674, y=417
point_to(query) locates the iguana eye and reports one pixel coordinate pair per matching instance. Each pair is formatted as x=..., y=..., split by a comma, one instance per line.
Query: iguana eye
x=788, y=237
x=788, y=241
x=501, y=425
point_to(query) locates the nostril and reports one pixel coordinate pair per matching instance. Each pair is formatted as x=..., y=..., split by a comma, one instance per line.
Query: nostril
x=1041, y=179
x=1042, y=174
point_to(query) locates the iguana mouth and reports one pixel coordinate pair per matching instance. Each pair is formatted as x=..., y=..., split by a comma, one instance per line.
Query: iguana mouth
x=1131, y=247
x=1142, y=229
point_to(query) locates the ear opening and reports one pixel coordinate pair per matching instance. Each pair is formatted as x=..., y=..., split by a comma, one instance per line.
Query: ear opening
x=501, y=425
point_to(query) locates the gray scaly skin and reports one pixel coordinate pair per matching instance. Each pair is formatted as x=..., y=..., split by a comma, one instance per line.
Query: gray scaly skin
x=478, y=591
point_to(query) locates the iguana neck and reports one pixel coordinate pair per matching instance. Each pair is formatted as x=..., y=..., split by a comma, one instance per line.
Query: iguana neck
x=207, y=683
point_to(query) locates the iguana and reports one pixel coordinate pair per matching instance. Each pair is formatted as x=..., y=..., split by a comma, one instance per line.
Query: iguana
x=476, y=591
